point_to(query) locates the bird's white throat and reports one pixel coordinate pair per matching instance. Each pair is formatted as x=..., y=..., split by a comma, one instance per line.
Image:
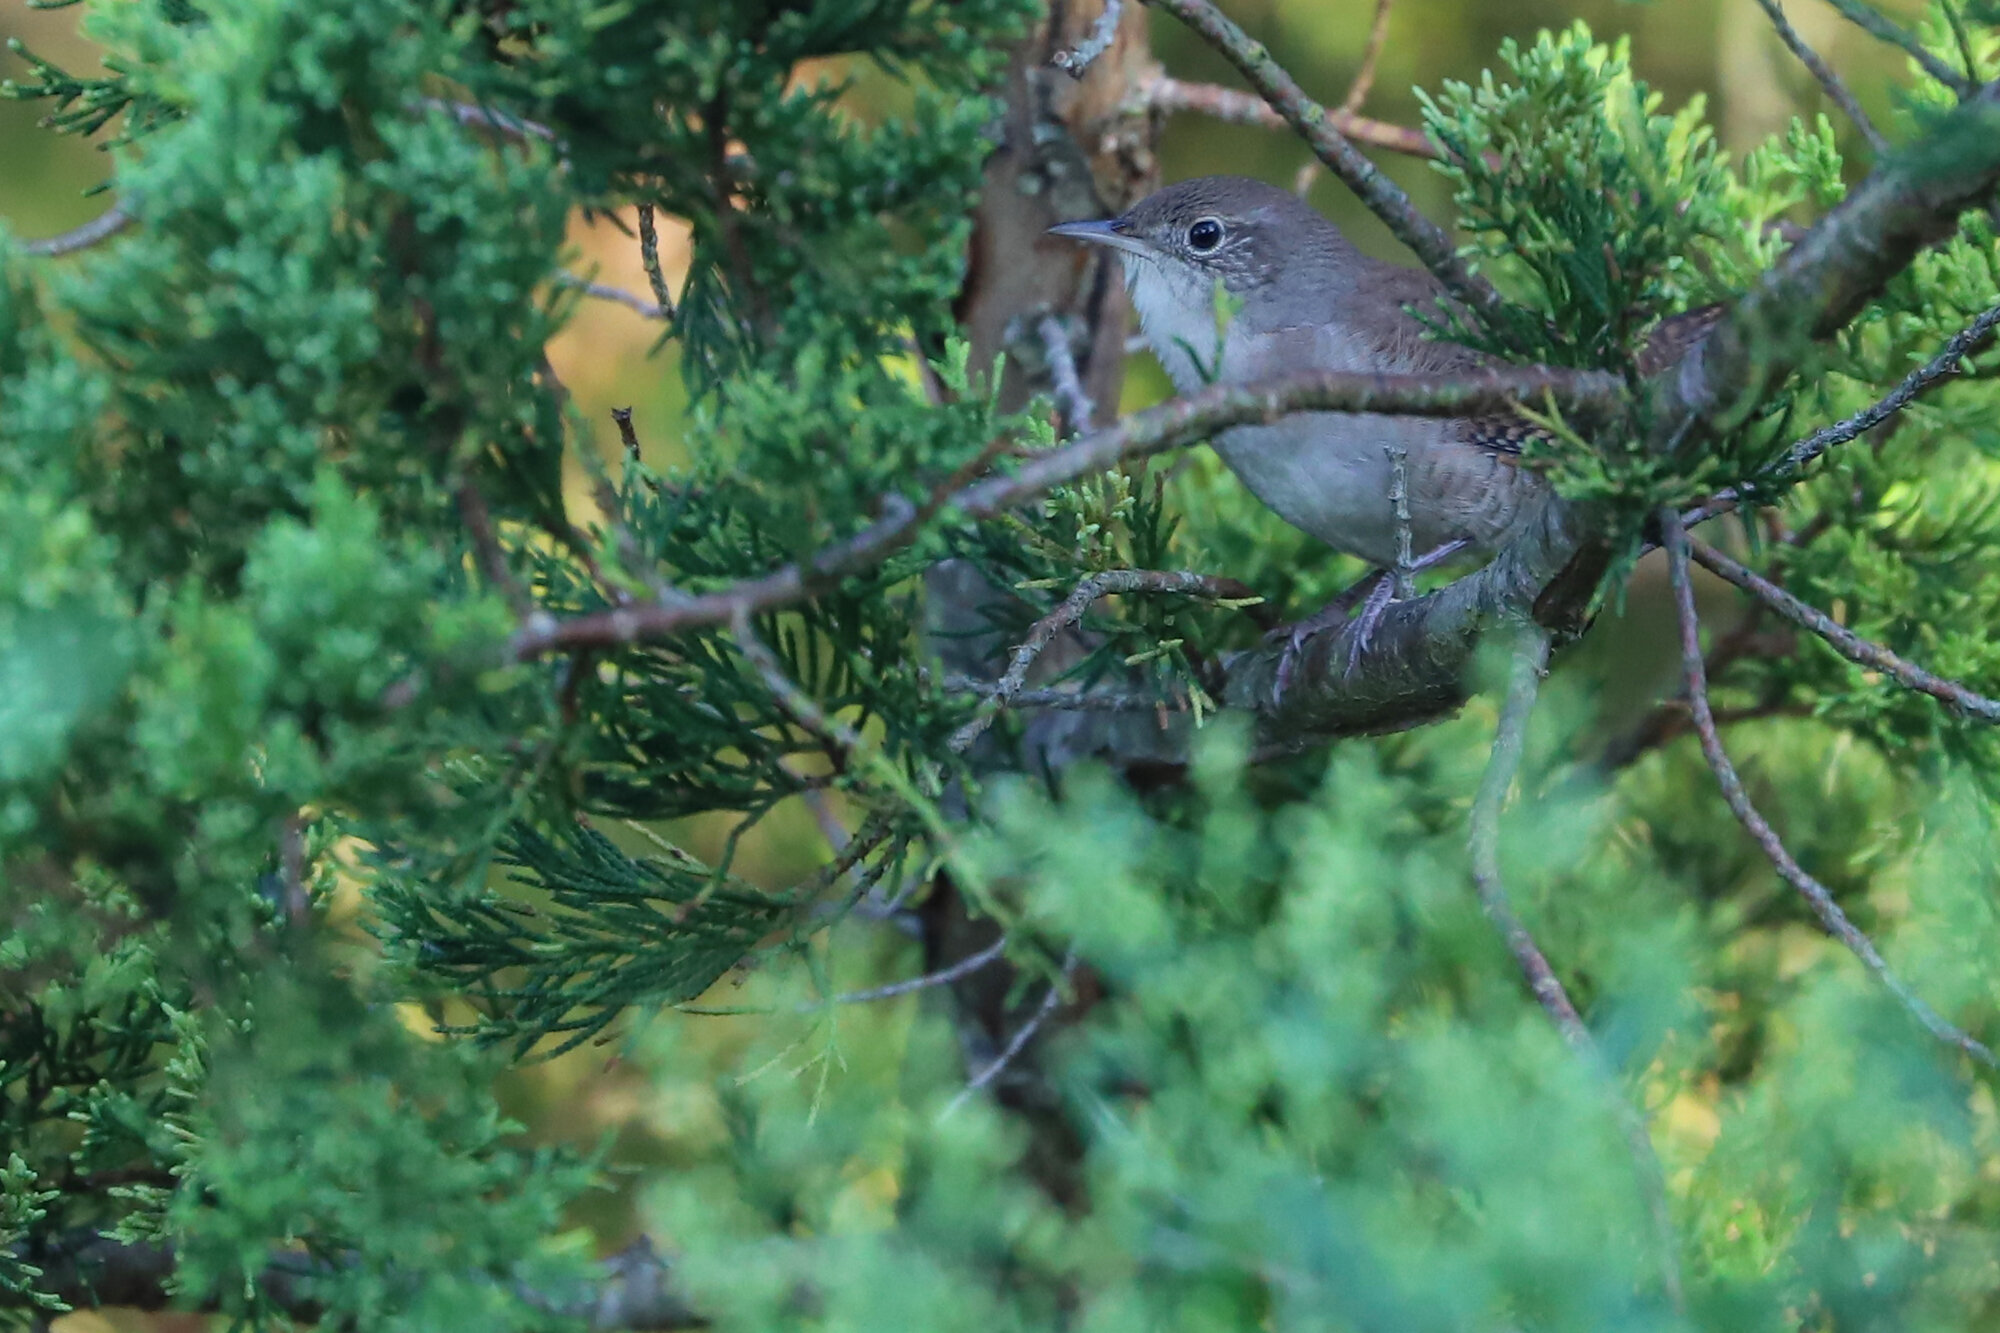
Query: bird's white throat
x=1177, y=316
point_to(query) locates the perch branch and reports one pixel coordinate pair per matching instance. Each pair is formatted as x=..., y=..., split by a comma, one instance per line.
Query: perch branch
x=1817, y=897
x=1170, y=425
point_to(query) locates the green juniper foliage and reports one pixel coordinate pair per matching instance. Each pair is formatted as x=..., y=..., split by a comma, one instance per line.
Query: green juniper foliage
x=300, y=864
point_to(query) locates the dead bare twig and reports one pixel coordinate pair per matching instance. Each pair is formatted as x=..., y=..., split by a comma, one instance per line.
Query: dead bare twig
x=1019, y=1042
x=1170, y=94
x=944, y=976
x=1844, y=641
x=1364, y=77
x=1509, y=740
x=1817, y=897
x=1077, y=62
x=99, y=229
x=603, y=292
x=1077, y=410
x=1836, y=90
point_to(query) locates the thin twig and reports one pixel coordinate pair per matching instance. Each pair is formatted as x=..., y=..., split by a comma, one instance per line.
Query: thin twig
x=292, y=871
x=964, y=967
x=1509, y=740
x=1171, y=425
x=1316, y=126
x=835, y=736
x=649, y=256
x=1072, y=610
x=1508, y=743
x=1079, y=701
x=1076, y=62
x=1209, y=99
x=479, y=117
x=1077, y=410
x=1364, y=77
x=1866, y=17
x=618, y=294
x=627, y=435
x=100, y=228
x=1831, y=82
x=1399, y=502
x=631, y=559
x=1817, y=897
x=1844, y=641
x=478, y=520
x=1944, y=365
x=1050, y=1003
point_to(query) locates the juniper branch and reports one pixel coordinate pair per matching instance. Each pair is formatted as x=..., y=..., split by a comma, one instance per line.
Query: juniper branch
x=1943, y=366
x=1171, y=425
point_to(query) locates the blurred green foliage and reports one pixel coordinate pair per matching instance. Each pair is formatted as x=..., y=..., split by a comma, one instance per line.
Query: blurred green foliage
x=298, y=868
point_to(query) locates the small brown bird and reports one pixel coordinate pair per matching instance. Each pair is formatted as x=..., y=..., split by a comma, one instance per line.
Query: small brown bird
x=1306, y=300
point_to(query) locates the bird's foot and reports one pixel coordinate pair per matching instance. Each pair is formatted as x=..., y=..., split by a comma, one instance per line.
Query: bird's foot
x=1331, y=616
x=1376, y=593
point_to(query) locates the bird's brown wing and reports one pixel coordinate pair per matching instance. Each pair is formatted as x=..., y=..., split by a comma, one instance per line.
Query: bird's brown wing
x=1670, y=341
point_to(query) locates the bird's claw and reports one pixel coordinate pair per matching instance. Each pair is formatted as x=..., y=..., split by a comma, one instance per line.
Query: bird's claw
x=1331, y=616
x=1380, y=598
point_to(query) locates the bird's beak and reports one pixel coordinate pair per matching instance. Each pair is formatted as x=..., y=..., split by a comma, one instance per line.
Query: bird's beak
x=1110, y=231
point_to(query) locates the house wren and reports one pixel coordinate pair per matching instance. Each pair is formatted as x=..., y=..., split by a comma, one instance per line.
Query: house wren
x=1305, y=299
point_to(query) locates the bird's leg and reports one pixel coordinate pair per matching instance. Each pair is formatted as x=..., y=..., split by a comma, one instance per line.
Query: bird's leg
x=1385, y=593
x=1334, y=613
x=1374, y=592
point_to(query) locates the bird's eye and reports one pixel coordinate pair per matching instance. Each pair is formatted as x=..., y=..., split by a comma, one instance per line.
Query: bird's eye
x=1204, y=236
